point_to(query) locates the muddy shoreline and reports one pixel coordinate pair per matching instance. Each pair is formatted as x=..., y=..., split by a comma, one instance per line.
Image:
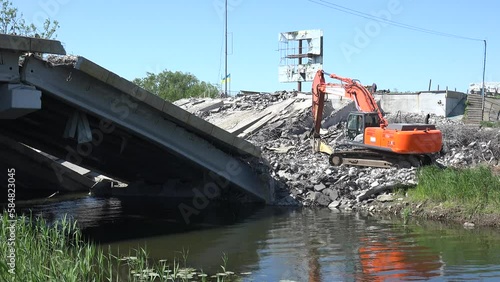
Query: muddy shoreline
x=402, y=207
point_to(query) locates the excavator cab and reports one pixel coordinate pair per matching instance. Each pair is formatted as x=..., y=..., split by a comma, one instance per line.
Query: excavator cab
x=357, y=122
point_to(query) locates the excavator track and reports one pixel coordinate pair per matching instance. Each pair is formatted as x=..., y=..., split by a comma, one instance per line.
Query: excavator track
x=375, y=158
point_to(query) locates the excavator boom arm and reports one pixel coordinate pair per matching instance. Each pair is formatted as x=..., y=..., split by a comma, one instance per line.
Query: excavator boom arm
x=349, y=88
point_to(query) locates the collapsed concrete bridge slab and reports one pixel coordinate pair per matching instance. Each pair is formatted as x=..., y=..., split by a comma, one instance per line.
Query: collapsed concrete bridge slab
x=99, y=120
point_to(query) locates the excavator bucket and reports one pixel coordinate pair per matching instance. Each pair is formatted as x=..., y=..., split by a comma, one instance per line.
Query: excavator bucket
x=319, y=145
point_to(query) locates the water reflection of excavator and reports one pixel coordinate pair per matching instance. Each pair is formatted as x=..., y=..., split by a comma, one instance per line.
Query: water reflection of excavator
x=372, y=141
x=396, y=261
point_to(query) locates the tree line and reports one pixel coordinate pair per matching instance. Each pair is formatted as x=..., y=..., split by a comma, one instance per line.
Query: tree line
x=173, y=86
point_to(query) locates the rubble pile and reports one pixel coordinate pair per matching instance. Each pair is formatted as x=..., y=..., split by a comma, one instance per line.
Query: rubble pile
x=307, y=178
x=465, y=146
x=259, y=101
x=420, y=118
x=67, y=60
x=237, y=103
x=249, y=115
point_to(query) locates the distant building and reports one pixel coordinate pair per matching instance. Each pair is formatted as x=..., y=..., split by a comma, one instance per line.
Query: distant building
x=489, y=87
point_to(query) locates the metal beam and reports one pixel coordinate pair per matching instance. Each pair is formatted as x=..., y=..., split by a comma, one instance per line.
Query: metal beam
x=102, y=100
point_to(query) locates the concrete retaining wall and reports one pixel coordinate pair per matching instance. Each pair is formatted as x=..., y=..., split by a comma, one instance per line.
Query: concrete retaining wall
x=491, y=109
x=441, y=103
x=341, y=107
x=455, y=103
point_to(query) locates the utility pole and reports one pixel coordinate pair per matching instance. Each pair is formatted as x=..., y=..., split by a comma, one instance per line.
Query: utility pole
x=482, y=87
x=299, y=84
x=225, y=67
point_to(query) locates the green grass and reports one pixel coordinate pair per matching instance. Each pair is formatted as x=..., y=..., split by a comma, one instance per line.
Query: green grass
x=405, y=215
x=494, y=124
x=56, y=252
x=51, y=253
x=475, y=189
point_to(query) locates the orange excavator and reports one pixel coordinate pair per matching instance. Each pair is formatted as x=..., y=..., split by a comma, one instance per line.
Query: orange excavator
x=371, y=141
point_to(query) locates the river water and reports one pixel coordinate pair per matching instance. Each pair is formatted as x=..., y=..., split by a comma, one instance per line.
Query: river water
x=290, y=244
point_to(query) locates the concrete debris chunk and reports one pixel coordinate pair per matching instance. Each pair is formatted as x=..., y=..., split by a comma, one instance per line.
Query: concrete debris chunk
x=334, y=205
x=282, y=149
x=469, y=225
x=320, y=187
x=385, y=198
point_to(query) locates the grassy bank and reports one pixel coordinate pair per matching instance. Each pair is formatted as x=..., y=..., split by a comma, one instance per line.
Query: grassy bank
x=476, y=190
x=493, y=124
x=57, y=252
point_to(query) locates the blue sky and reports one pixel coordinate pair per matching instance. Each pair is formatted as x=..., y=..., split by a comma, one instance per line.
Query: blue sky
x=131, y=38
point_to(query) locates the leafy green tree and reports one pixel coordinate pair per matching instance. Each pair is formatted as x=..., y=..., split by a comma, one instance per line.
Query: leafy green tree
x=12, y=22
x=173, y=86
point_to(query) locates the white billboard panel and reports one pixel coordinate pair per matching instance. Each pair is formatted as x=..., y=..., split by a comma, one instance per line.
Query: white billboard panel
x=298, y=73
x=301, y=55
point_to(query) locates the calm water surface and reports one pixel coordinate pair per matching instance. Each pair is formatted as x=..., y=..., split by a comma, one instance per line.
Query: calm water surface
x=274, y=244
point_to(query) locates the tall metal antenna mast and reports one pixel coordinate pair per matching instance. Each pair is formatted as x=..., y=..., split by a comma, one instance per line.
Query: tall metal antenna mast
x=482, y=86
x=225, y=68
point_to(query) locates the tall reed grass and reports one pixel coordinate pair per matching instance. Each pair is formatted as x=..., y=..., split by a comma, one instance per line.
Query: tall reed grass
x=476, y=189
x=57, y=252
